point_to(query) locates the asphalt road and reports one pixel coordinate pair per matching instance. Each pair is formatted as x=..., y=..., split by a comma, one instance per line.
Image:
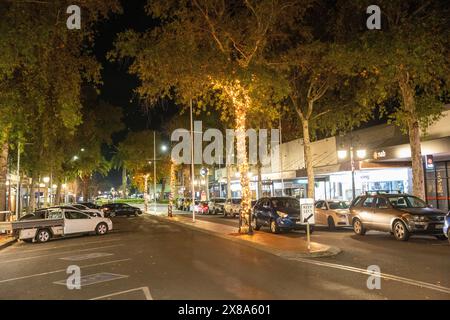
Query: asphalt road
x=144, y=258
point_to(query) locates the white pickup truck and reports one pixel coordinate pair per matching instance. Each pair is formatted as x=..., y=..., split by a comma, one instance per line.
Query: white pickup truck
x=56, y=223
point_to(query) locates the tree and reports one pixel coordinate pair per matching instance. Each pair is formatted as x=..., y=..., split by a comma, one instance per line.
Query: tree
x=208, y=46
x=409, y=60
x=42, y=68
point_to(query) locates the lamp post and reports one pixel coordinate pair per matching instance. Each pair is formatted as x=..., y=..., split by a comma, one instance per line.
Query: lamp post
x=360, y=154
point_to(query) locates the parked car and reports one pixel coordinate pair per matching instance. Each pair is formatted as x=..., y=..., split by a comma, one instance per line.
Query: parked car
x=216, y=205
x=400, y=214
x=49, y=223
x=90, y=205
x=179, y=203
x=232, y=207
x=187, y=204
x=446, y=228
x=201, y=207
x=87, y=210
x=120, y=209
x=332, y=213
x=279, y=214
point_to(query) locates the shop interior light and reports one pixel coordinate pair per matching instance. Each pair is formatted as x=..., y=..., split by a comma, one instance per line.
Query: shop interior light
x=342, y=154
x=361, y=153
x=46, y=179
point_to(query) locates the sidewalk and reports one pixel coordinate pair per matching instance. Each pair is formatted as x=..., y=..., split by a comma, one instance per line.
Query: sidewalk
x=6, y=240
x=272, y=243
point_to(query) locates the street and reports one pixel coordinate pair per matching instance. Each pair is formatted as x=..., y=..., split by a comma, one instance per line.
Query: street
x=146, y=258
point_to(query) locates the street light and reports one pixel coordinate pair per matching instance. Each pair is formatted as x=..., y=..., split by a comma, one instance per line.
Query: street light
x=360, y=154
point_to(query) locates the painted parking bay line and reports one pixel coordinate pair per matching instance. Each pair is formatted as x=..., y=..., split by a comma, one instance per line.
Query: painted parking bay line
x=58, y=253
x=144, y=290
x=61, y=270
x=87, y=256
x=386, y=276
x=90, y=279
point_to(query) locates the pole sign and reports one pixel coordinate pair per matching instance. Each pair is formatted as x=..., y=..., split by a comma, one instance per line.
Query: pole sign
x=307, y=211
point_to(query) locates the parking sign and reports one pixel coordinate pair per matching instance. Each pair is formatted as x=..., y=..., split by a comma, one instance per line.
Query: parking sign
x=307, y=211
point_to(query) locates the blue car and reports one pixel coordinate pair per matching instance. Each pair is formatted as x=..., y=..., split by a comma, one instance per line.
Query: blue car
x=447, y=226
x=278, y=213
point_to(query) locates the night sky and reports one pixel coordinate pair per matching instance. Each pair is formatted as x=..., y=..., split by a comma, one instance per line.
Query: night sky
x=118, y=85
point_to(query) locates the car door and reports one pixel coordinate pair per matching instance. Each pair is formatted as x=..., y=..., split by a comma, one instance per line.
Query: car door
x=257, y=212
x=366, y=211
x=266, y=211
x=382, y=214
x=77, y=222
x=320, y=212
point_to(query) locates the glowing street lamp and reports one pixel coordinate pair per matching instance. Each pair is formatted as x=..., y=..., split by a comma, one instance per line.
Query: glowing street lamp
x=360, y=154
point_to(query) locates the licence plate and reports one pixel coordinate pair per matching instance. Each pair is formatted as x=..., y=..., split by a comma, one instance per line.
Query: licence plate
x=439, y=226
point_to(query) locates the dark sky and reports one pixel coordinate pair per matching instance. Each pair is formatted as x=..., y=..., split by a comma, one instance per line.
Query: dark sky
x=118, y=84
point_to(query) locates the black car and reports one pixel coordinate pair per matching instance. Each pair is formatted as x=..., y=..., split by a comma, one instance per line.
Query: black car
x=119, y=209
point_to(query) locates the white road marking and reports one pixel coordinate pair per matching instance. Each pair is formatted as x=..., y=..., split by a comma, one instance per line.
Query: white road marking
x=145, y=291
x=87, y=256
x=89, y=279
x=55, y=247
x=386, y=276
x=61, y=270
x=58, y=253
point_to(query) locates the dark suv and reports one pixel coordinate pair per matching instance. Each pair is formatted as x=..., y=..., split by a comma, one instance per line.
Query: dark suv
x=399, y=214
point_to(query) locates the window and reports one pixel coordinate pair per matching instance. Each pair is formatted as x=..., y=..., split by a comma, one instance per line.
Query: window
x=338, y=205
x=382, y=203
x=55, y=214
x=319, y=204
x=75, y=215
x=368, y=202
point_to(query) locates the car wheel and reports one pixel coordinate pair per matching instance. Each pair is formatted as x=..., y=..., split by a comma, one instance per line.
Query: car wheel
x=441, y=237
x=448, y=236
x=274, y=228
x=101, y=229
x=400, y=231
x=331, y=224
x=43, y=236
x=358, y=227
x=311, y=229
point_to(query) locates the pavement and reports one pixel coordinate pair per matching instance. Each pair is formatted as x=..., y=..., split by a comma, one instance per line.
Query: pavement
x=147, y=257
x=268, y=242
x=6, y=240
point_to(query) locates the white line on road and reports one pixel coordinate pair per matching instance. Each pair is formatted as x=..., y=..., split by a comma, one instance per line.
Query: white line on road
x=58, y=253
x=63, y=246
x=386, y=276
x=145, y=290
x=61, y=270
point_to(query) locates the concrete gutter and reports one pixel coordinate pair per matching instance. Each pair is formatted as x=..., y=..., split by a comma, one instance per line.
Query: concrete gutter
x=320, y=250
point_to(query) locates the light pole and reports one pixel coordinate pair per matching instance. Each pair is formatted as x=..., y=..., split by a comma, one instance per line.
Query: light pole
x=154, y=170
x=360, y=154
x=192, y=162
x=18, y=182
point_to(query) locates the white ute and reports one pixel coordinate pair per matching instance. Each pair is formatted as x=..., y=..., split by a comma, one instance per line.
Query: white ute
x=57, y=223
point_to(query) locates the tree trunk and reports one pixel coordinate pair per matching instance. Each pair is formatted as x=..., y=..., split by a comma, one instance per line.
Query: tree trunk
x=3, y=173
x=258, y=167
x=86, y=180
x=58, y=193
x=308, y=158
x=163, y=187
x=228, y=181
x=414, y=139
x=32, y=195
x=124, y=182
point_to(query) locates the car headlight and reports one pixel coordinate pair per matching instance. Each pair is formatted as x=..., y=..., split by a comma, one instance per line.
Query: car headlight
x=282, y=214
x=420, y=218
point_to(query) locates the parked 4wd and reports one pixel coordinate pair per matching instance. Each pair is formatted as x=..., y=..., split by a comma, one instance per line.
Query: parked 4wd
x=400, y=214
